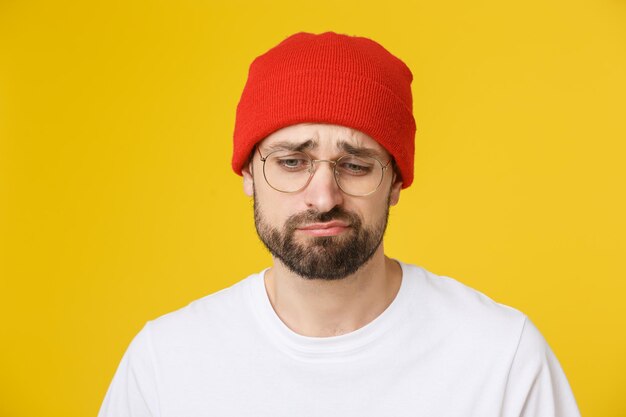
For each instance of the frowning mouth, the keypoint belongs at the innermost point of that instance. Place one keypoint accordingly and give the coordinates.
(331, 228)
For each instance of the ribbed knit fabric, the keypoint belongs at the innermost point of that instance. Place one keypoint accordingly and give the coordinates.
(328, 78)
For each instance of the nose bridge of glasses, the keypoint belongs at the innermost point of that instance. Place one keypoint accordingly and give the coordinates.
(330, 161)
(329, 176)
(314, 162)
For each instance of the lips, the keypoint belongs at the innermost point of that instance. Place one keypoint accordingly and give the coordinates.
(331, 228)
(325, 225)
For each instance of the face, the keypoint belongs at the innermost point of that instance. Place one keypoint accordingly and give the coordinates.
(319, 232)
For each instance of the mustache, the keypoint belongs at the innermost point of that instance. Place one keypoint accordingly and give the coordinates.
(314, 216)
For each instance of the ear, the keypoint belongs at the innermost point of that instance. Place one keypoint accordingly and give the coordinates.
(396, 186)
(248, 179)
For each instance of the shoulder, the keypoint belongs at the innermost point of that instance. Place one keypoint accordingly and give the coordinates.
(454, 306)
(220, 311)
(490, 341)
(447, 295)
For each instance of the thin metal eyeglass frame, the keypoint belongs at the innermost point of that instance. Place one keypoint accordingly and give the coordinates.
(313, 169)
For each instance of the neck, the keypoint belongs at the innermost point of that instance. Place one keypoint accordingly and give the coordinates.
(322, 308)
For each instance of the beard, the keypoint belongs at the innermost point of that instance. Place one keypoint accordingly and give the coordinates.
(322, 257)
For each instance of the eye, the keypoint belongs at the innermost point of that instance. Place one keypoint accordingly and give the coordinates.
(357, 166)
(291, 162)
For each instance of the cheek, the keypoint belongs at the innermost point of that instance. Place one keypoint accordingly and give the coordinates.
(376, 212)
(274, 208)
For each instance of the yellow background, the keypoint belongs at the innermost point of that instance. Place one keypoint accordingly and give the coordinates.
(117, 203)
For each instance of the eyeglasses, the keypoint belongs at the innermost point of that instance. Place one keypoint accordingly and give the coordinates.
(291, 171)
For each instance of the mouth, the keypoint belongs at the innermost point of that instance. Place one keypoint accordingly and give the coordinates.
(332, 228)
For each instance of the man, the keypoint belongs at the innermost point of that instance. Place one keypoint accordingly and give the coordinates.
(324, 141)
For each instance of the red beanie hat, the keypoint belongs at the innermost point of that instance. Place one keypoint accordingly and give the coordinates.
(328, 78)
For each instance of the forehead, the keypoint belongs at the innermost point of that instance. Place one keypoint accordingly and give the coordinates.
(323, 137)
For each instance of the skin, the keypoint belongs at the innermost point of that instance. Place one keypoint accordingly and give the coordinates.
(315, 307)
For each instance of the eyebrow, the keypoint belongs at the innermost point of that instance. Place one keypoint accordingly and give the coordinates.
(291, 146)
(358, 150)
(312, 144)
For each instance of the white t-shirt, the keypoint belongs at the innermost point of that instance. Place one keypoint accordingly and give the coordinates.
(439, 349)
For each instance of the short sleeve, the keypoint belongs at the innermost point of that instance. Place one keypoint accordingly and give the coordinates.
(133, 391)
(537, 386)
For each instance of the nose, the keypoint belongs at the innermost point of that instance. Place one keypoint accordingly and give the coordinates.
(322, 193)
